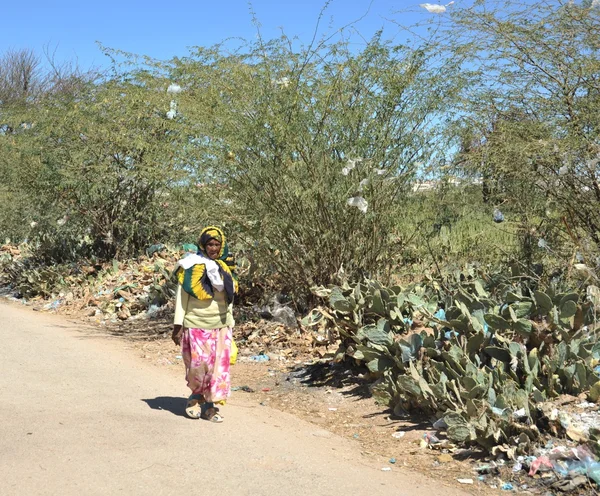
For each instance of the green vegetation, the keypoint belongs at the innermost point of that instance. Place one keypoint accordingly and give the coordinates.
(497, 348)
(312, 156)
(371, 177)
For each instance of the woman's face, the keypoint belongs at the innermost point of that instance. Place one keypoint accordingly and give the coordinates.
(213, 247)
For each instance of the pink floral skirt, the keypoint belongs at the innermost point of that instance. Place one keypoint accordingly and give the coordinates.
(206, 354)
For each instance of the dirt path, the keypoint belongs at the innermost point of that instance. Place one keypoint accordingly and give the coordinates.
(79, 414)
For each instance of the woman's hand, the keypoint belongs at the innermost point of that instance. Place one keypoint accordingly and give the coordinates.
(177, 333)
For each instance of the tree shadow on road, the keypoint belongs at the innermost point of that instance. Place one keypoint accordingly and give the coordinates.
(175, 405)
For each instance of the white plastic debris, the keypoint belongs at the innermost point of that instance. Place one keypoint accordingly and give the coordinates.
(363, 184)
(63, 221)
(563, 170)
(440, 424)
(350, 165)
(153, 311)
(358, 202)
(174, 89)
(435, 8)
(520, 413)
(284, 82)
(380, 172)
(465, 481)
(399, 434)
(172, 110)
(33, 223)
(386, 469)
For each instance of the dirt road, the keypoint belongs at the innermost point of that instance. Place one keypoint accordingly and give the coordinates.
(80, 414)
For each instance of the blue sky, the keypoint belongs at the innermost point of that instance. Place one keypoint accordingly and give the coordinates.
(163, 29)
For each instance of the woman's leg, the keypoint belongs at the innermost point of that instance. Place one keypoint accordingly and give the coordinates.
(220, 384)
(194, 352)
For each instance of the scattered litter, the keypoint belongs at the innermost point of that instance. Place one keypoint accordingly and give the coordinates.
(498, 216)
(333, 409)
(179, 357)
(246, 389)
(465, 481)
(153, 311)
(440, 314)
(543, 462)
(435, 8)
(284, 315)
(430, 438)
(155, 249)
(399, 434)
(507, 486)
(392, 460)
(520, 413)
(358, 202)
(174, 89)
(260, 358)
(486, 469)
(351, 165)
(440, 424)
(386, 469)
(566, 485)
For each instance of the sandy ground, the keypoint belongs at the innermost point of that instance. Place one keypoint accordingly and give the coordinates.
(84, 413)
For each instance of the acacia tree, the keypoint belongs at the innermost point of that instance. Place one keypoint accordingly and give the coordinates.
(313, 147)
(531, 109)
(99, 163)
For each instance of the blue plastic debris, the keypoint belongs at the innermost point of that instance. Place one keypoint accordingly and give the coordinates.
(155, 249)
(507, 486)
(498, 216)
(486, 329)
(593, 472)
(260, 358)
(499, 411)
(392, 460)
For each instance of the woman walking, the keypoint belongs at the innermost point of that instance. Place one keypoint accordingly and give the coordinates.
(203, 323)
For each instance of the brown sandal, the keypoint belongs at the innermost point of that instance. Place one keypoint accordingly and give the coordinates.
(193, 409)
(212, 415)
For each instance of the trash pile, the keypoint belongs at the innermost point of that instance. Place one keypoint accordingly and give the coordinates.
(108, 291)
(264, 341)
(567, 461)
(118, 294)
